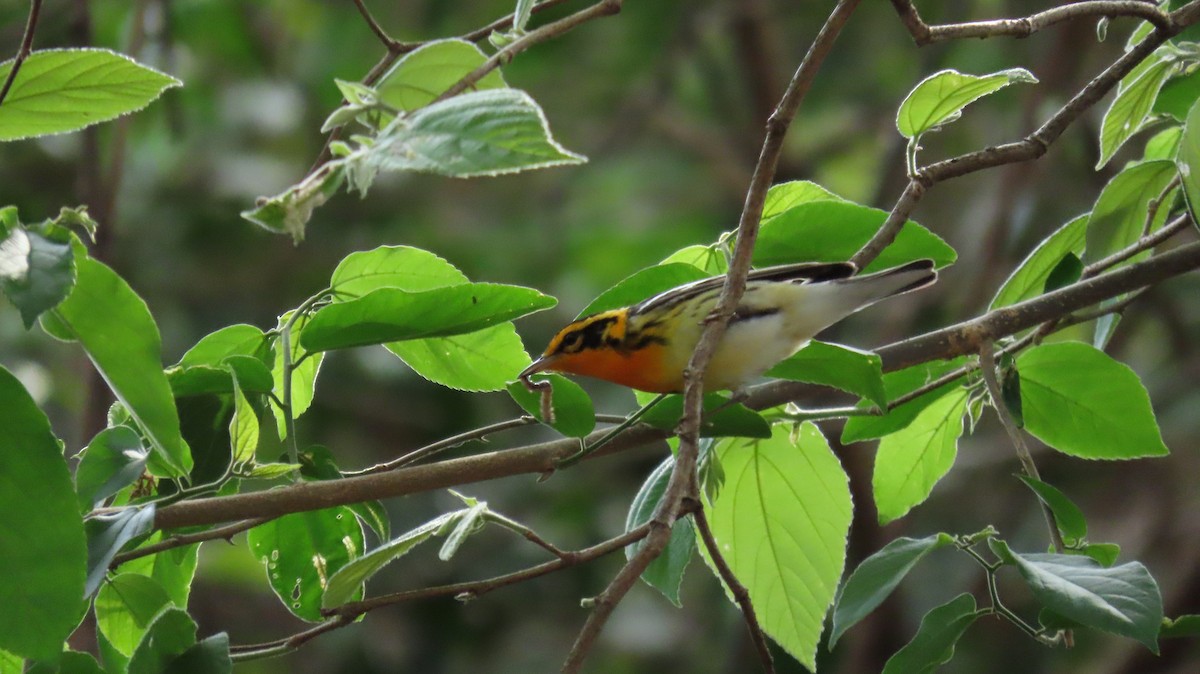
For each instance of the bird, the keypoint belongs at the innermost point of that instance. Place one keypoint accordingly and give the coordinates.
(647, 346)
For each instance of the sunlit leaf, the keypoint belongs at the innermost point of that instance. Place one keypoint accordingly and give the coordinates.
(1119, 215)
(1029, 279)
(644, 284)
(36, 272)
(126, 606)
(574, 415)
(858, 372)
(1131, 106)
(426, 72)
(912, 460)
(940, 98)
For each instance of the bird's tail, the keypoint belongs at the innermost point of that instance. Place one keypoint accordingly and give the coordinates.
(867, 289)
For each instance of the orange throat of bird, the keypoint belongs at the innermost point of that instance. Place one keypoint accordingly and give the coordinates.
(643, 369)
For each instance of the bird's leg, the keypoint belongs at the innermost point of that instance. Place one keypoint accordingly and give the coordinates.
(612, 433)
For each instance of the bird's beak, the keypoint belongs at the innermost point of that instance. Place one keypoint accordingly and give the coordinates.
(540, 365)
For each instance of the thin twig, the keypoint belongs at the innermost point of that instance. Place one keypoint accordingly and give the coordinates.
(35, 8)
(925, 34)
(1142, 245)
(180, 540)
(287, 644)
(739, 592)
(393, 46)
(987, 366)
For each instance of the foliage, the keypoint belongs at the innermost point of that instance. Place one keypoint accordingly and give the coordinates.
(187, 440)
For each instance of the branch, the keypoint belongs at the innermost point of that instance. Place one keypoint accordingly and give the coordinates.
(739, 592)
(925, 34)
(956, 340)
(179, 540)
(682, 485)
(393, 46)
(1032, 146)
(35, 8)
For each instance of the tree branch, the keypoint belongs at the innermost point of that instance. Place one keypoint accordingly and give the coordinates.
(956, 340)
(35, 8)
(925, 34)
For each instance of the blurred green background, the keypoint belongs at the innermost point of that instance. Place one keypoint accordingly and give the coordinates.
(668, 101)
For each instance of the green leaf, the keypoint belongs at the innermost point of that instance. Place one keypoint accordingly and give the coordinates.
(125, 608)
(1188, 160)
(480, 133)
(934, 642)
(243, 429)
(1164, 144)
(1183, 626)
(895, 385)
(43, 545)
(832, 231)
(574, 415)
(425, 73)
(11, 664)
(232, 340)
(1031, 276)
(171, 634)
(708, 259)
(858, 372)
(940, 98)
(644, 284)
(304, 375)
(269, 471)
(1081, 402)
(36, 272)
(788, 195)
(393, 315)
(120, 337)
(470, 521)
(1122, 599)
(1068, 515)
(303, 551)
(876, 577)
(289, 211)
(316, 463)
(107, 534)
(173, 569)
(111, 462)
(347, 583)
(70, 662)
(401, 267)
(1131, 106)
(910, 461)
(665, 573)
(1104, 553)
(1067, 271)
(1120, 212)
(1178, 96)
(781, 521)
(61, 90)
(721, 419)
(253, 376)
(208, 656)
(486, 360)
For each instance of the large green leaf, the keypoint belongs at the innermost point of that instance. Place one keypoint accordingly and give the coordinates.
(934, 642)
(393, 314)
(708, 259)
(781, 521)
(1120, 212)
(347, 583)
(125, 608)
(36, 272)
(119, 335)
(480, 133)
(859, 372)
(876, 577)
(304, 373)
(1123, 599)
(253, 376)
(644, 284)
(43, 544)
(1080, 401)
(60, 90)
(232, 340)
(1030, 277)
(665, 573)
(401, 267)
(910, 461)
(721, 417)
(302, 551)
(897, 384)
(832, 231)
(425, 73)
(478, 361)
(940, 98)
(1131, 106)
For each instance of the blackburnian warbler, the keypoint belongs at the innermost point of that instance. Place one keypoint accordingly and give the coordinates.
(647, 346)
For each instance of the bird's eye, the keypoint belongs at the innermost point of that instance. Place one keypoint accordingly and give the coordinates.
(571, 341)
